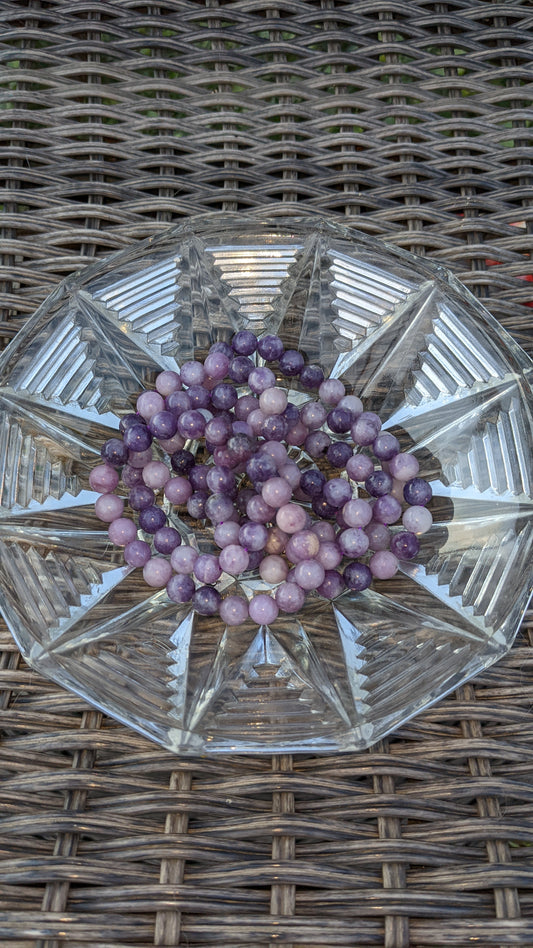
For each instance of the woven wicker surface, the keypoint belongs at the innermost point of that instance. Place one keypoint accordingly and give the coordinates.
(118, 119)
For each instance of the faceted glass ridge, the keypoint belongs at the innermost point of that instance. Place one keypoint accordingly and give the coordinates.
(404, 336)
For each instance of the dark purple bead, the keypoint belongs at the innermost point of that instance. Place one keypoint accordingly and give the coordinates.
(219, 480)
(357, 576)
(244, 342)
(224, 396)
(378, 483)
(115, 452)
(291, 414)
(151, 519)
(338, 453)
(404, 545)
(163, 424)
(291, 363)
(191, 424)
(206, 600)
(177, 402)
(240, 447)
(137, 438)
(166, 539)
(323, 509)
(240, 368)
(270, 348)
(198, 476)
(131, 476)
(260, 467)
(141, 497)
(386, 446)
(223, 457)
(180, 588)
(417, 492)
(339, 420)
(182, 461)
(128, 420)
(223, 347)
(332, 585)
(243, 497)
(196, 504)
(312, 483)
(199, 396)
(255, 558)
(274, 428)
(311, 376)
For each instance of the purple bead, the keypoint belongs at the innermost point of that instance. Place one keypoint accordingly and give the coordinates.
(331, 391)
(385, 446)
(242, 427)
(291, 413)
(198, 476)
(260, 468)
(263, 609)
(191, 424)
(274, 428)
(313, 415)
(216, 365)
(233, 610)
(365, 428)
(199, 396)
(311, 376)
(240, 368)
(137, 553)
(167, 382)
(226, 533)
(378, 483)
(114, 452)
(109, 507)
(219, 508)
(404, 545)
(234, 559)
(148, 403)
(128, 420)
(217, 430)
(207, 568)
(178, 490)
(404, 467)
(196, 504)
(339, 420)
(417, 492)
(353, 542)
(240, 448)
(359, 467)
(141, 497)
(244, 342)
(166, 539)
(339, 453)
(151, 519)
(139, 459)
(387, 509)
(253, 536)
(378, 536)
(259, 511)
(192, 373)
(223, 347)
(332, 585)
(220, 480)
(270, 348)
(317, 443)
(163, 424)
(224, 396)
(183, 558)
(180, 588)
(255, 558)
(157, 571)
(383, 565)
(337, 492)
(260, 379)
(182, 461)
(290, 597)
(322, 508)
(104, 478)
(357, 576)
(244, 405)
(291, 363)
(206, 600)
(177, 402)
(131, 476)
(312, 482)
(137, 438)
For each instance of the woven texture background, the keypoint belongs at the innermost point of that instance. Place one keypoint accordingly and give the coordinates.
(414, 118)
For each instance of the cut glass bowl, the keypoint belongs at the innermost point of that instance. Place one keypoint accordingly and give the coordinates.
(402, 334)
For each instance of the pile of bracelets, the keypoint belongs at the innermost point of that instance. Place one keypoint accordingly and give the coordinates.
(346, 512)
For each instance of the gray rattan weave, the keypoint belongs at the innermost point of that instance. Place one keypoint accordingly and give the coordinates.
(118, 118)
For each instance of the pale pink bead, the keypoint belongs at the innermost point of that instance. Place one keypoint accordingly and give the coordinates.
(157, 571)
(172, 444)
(103, 478)
(109, 507)
(273, 401)
(178, 490)
(276, 541)
(357, 513)
(276, 491)
(234, 559)
(329, 555)
(383, 565)
(417, 519)
(290, 518)
(156, 474)
(263, 609)
(255, 419)
(297, 434)
(122, 531)
(183, 558)
(309, 574)
(403, 467)
(148, 403)
(168, 382)
(273, 569)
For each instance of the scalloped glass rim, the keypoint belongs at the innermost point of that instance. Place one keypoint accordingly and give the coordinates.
(403, 334)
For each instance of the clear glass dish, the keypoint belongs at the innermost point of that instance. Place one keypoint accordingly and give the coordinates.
(402, 334)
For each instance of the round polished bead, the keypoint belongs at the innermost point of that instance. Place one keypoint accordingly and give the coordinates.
(276, 540)
(191, 424)
(324, 531)
(331, 391)
(290, 472)
(196, 504)
(138, 438)
(385, 446)
(148, 403)
(417, 519)
(357, 513)
(317, 443)
(339, 453)
(114, 452)
(123, 531)
(132, 418)
(276, 450)
(378, 536)
(365, 428)
(339, 420)
(224, 396)
(200, 396)
(219, 508)
(180, 588)
(357, 576)
(404, 467)
(311, 376)
(206, 600)
(259, 511)
(167, 382)
(417, 492)
(255, 420)
(274, 428)
(233, 610)
(378, 483)
(352, 403)
(270, 348)
(290, 597)
(273, 569)
(309, 574)
(276, 491)
(216, 365)
(383, 565)
(182, 461)
(240, 368)
(178, 490)
(302, 545)
(139, 459)
(226, 533)
(151, 519)
(207, 568)
(155, 474)
(260, 379)
(157, 572)
(240, 447)
(312, 482)
(234, 559)
(297, 434)
(140, 497)
(404, 545)
(322, 509)
(137, 553)
(221, 346)
(244, 405)
(253, 536)
(329, 555)
(337, 491)
(387, 509)
(263, 609)
(166, 539)
(273, 401)
(332, 585)
(353, 542)
(313, 415)
(198, 476)
(192, 373)
(177, 402)
(104, 478)
(220, 480)
(291, 363)
(183, 558)
(244, 342)
(170, 445)
(290, 518)
(359, 467)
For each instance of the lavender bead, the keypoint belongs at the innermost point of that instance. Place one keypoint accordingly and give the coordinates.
(226, 533)
(182, 461)
(192, 373)
(270, 348)
(216, 365)
(329, 555)
(242, 427)
(220, 480)
(219, 508)
(275, 450)
(337, 491)
(177, 402)
(387, 509)
(352, 403)
(383, 565)
(196, 504)
(255, 420)
(207, 568)
(273, 569)
(313, 415)
(290, 597)
(168, 382)
(123, 531)
(253, 536)
(199, 396)
(109, 507)
(365, 428)
(244, 342)
(263, 609)
(166, 539)
(417, 492)
(154, 475)
(404, 545)
(357, 576)
(357, 513)
(191, 424)
(151, 519)
(317, 443)
(309, 574)
(276, 491)
(233, 610)
(170, 445)
(273, 401)
(385, 446)
(180, 588)
(303, 545)
(331, 391)
(417, 519)
(244, 405)
(114, 452)
(359, 467)
(178, 490)
(339, 420)
(240, 368)
(404, 467)
(291, 473)
(224, 396)
(206, 600)
(290, 518)
(339, 453)
(378, 483)
(157, 572)
(353, 542)
(240, 448)
(183, 558)
(132, 418)
(104, 478)
(137, 553)
(139, 459)
(148, 403)
(141, 497)
(311, 376)
(234, 559)
(291, 363)
(260, 379)
(324, 531)
(378, 536)
(259, 511)
(332, 585)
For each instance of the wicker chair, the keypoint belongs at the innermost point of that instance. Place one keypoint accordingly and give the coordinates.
(120, 117)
